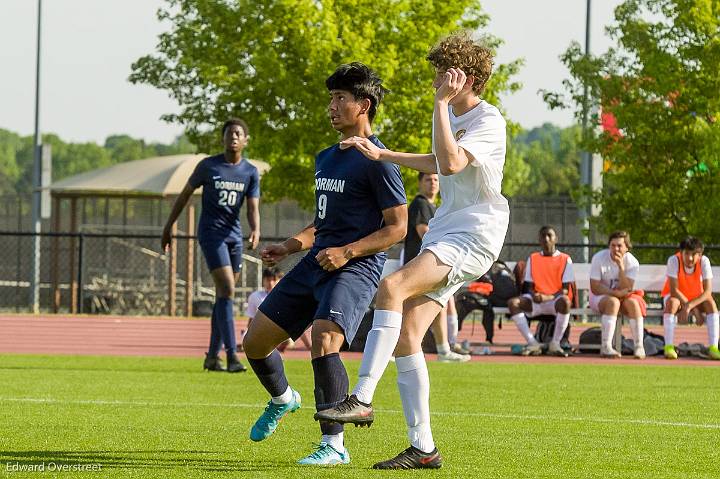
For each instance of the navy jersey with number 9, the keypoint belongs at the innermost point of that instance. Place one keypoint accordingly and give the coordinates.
(225, 186)
(350, 194)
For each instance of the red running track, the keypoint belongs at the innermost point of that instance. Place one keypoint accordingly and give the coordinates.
(153, 336)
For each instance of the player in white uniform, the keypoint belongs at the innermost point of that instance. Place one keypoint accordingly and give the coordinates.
(612, 278)
(464, 239)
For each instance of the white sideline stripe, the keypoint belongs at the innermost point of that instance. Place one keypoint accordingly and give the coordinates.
(647, 422)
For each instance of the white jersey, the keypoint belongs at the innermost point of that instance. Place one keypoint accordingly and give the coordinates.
(672, 268)
(471, 199)
(254, 301)
(605, 270)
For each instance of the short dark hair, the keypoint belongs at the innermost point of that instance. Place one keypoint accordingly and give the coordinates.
(546, 229)
(271, 273)
(692, 243)
(361, 81)
(236, 121)
(422, 174)
(621, 234)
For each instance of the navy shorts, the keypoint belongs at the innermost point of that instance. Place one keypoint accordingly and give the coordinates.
(220, 253)
(308, 292)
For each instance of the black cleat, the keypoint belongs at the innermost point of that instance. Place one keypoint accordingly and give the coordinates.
(213, 364)
(234, 364)
(412, 458)
(348, 411)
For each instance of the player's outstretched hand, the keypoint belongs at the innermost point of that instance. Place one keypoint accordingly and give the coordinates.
(254, 239)
(331, 259)
(165, 241)
(452, 84)
(273, 254)
(364, 146)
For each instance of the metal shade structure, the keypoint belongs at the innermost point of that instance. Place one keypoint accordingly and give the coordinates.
(150, 178)
(157, 177)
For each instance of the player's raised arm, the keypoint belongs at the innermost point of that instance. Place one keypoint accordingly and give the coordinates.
(395, 229)
(177, 208)
(416, 161)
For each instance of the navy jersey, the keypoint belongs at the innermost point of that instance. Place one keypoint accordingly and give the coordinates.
(350, 194)
(225, 186)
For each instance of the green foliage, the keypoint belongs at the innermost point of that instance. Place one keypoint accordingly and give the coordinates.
(9, 169)
(551, 157)
(661, 83)
(16, 156)
(266, 61)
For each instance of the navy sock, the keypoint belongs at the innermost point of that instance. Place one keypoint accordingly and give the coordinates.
(226, 322)
(215, 335)
(331, 387)
(271, 373)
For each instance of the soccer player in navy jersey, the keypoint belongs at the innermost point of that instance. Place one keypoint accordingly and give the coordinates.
(227, 180)
(360, 212)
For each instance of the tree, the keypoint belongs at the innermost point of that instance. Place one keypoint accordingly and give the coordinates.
(16, 156)
(551, 156)
(266, 61)
(9, 170)
(661, 85)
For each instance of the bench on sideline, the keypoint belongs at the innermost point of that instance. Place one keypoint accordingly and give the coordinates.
(651, 278)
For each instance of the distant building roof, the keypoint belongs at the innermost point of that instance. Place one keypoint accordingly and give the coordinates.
(151, 177)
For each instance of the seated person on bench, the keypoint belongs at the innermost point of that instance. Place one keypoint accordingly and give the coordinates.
(686, 289)
(548, 274)
(612, 278)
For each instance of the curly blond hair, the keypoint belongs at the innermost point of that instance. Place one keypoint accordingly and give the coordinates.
(459, 50)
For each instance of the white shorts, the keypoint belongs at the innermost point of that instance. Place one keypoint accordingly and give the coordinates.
(539, 309)
(595, 302)
(468, 260)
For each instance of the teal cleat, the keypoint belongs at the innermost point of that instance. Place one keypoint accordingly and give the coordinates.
(326, 455)
(271, 417)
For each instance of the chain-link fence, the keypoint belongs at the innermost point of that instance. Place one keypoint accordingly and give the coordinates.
(110, 273)
(101, 273)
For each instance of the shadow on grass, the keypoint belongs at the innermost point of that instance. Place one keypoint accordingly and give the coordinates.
(150, 459)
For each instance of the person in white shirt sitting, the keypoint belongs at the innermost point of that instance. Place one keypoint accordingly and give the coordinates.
(612, 280)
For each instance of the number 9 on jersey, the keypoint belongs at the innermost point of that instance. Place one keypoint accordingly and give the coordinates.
(322, 206)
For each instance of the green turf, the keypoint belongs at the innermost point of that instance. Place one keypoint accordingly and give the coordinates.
(160, 417)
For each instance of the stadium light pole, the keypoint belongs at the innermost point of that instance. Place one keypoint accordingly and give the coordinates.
(586, 159)
(37, 168)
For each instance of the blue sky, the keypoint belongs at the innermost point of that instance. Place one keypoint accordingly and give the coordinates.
(89, 45)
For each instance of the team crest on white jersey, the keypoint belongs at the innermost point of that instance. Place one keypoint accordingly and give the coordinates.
(459, 134)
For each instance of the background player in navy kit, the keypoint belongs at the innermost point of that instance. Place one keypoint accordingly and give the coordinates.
(227, 179)
(360, 212)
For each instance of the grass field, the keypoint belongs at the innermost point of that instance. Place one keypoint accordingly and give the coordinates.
(158, 418)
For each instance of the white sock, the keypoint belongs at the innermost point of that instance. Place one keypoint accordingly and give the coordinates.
(669, 322)
(713, 328)
(452, 323)
(608, 329)
(284, 398)
(522, 324)
(335, 440)
(414, 385)
(561, 324)
(379, 346)
(443, 348)
(636, 328)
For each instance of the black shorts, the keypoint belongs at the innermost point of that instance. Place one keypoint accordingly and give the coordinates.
(308, 292)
